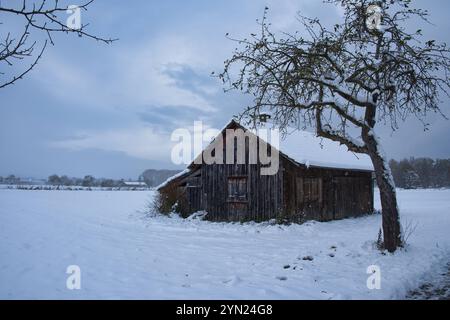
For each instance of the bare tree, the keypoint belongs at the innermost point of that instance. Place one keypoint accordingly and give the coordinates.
(42, 17)
(344, 80)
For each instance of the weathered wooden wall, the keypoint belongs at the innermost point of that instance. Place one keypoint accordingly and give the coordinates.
(345, 193)
(264, 199)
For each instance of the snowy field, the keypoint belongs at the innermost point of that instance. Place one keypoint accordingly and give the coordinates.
(123, 254)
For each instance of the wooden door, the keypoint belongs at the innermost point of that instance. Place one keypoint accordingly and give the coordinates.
(194, 194)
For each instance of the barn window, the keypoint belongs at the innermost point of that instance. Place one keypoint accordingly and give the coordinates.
(312, 189)
(237, 188)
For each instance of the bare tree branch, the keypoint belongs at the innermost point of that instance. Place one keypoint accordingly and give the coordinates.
(40, 17)
(20, 76)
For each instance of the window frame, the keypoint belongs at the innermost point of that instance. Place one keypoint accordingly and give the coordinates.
(240, 184)
(310, 189)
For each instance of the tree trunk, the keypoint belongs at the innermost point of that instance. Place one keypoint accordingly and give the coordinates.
(388, 196)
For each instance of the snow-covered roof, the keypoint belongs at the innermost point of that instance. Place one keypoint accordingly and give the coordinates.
(307, 149)
(170, 179)
(135, 183)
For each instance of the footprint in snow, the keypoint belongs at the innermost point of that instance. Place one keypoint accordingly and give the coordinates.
(308, 258)
(282, 278)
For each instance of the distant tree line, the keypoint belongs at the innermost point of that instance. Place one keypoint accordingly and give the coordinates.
(87, 181)
(416, 173)
(151, 178)
(11, 179)
(55, 180)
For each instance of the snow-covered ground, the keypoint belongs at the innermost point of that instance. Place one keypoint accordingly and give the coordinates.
(123, 254)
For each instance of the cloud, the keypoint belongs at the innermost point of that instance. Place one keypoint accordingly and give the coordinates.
(142, 143)
(146, 143)
(136, 77)
(70, 82)
(147, 78)
(283, 13)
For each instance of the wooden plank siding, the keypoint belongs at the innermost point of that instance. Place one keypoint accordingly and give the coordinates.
(345, 193)
(263, 200)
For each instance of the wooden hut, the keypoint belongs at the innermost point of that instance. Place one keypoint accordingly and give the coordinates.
(316, 180)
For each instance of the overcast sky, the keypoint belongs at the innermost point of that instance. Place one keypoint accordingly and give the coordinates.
(108, 110)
